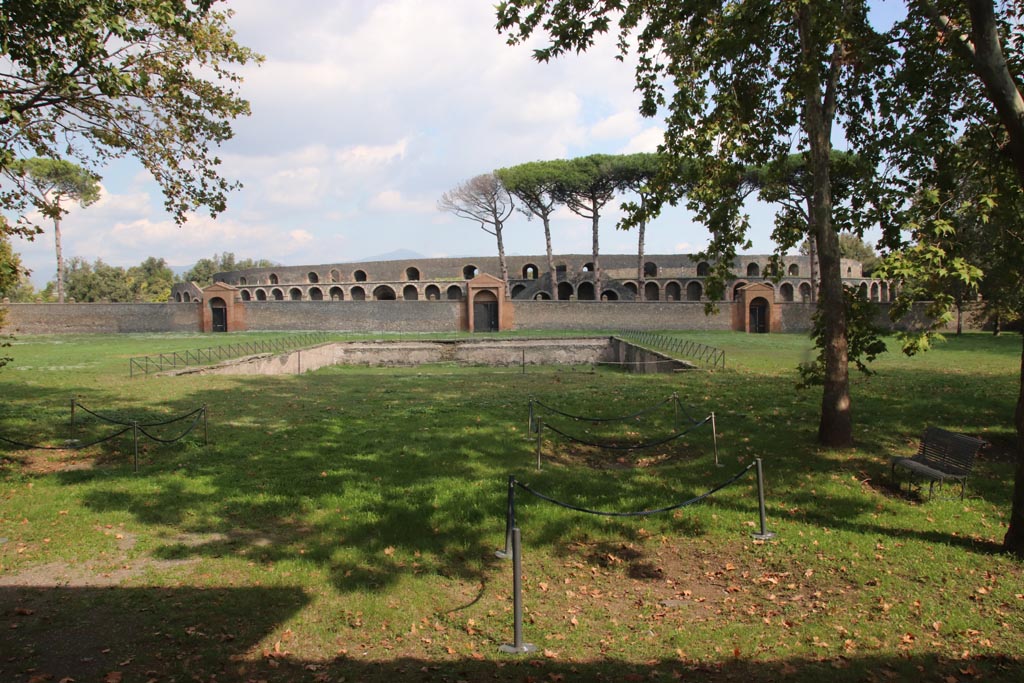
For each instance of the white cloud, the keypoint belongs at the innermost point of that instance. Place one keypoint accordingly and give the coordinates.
(393, 200)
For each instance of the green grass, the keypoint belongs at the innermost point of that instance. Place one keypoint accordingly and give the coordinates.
(341, 525)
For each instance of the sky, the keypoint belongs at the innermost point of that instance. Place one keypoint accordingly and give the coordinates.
(364, 113)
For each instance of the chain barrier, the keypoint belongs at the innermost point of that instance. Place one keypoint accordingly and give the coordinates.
(513, 542)
(629, 447)
(639, 513)
(136, 427)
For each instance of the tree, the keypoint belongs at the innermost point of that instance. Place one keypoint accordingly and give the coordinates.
(97, 282)
(592, 182)
(636, 173)
(91, 80)
(956, 81)
(484, 200)
(535, 185)
(51, 181)
(151, 280)
(738, 82)
(205, 268)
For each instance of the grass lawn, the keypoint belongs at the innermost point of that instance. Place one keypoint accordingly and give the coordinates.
(341, 525)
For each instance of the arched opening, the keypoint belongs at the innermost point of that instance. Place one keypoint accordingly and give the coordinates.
(359, 276)
(312, 277)
(542, 296)
(805, 292)
(673, 291)
(736, 289)
(530, 272)
(585, 292)
(454, 293)
(694, 291)
(863, 289)
(469, 272)
(384, 293)
(432, 293)
(357, 294)
(650, 269)
(609, 295)
(246, 296)
(753, 270)
(316, 294)
(874, 291)
(219, 313)
(242, 281)
(786, 292)
(485, 312)
(412, 274)
(565, 291)
(849, 271)
(588, 267)
(410, 293)
(631, 287)
(177, 297)
(794, 270)
(703, 269)
(651, 291)
(187, 297)
(277, 294)
(759, 322)
(517, 290)
(335, 275)
(261, 295)
(295, 294)
(884, 292)
(337, 294)
(273, 279)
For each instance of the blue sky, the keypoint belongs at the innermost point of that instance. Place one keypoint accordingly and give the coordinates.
(363, 114)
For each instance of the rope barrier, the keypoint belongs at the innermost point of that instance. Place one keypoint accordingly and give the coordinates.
(622, 418)
(641, 513)
(629, 447)
(128, 423)
(19, 444)
(188, 430)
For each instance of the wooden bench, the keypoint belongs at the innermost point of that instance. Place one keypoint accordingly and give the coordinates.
(942, 456)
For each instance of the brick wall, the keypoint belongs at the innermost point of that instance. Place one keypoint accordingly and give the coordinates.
(100, 318)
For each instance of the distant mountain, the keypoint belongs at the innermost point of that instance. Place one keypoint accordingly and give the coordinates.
(396, 255)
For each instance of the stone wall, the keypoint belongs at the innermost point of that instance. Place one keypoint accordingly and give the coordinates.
(100, 318)
(356, 316)
(619, 315)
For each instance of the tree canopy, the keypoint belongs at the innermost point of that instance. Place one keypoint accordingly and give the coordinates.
(91, 80)
(484, 200)
(205, 268)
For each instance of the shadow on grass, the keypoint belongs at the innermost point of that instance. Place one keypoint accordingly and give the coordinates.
(232, 634)
(83, 634)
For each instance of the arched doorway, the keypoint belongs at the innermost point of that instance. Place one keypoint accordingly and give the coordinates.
(219, 314)
(759, 315)
(485, 312)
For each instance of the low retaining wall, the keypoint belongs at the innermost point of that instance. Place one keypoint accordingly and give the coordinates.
(501, 353)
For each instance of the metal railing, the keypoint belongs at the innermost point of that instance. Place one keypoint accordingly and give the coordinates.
(709, 356)
(143, 365)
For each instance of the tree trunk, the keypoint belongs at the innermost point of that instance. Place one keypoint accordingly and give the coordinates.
(501, 255)
(595, 217)
(640, 261)
(60, 257)
(813, 250)
(551, 258)
(836, 426)
(1014, 539)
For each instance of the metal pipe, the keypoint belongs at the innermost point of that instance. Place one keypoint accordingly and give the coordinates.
(764, 534)
(517, 646)
(510, 519)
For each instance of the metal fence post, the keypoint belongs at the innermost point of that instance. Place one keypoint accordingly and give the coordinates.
(72, 412)
(714, 437)
(206, 426)
(510, 520)
(517, 646)
(764, 534)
